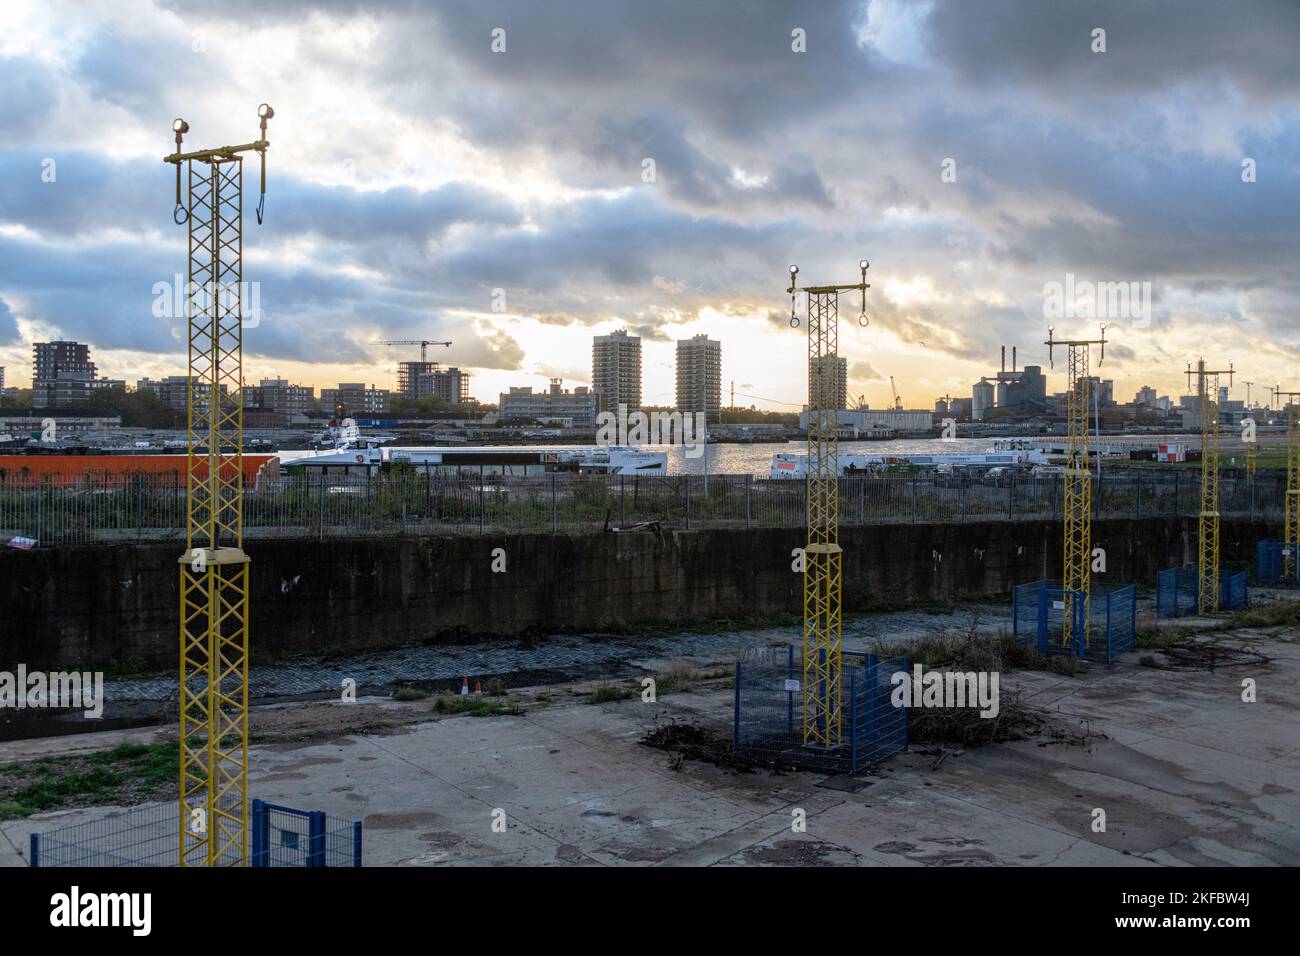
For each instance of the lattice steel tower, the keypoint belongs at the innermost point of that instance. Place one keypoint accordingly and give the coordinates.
(214, 570)
(1076, 574)
(1207, 561)
(1292, 527)
(821, 685)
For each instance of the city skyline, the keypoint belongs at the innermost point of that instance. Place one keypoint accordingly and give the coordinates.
(967, 230)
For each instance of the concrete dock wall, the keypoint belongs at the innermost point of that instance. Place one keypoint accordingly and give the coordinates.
(118, 605)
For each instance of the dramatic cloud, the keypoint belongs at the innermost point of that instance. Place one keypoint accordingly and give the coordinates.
(657, 167)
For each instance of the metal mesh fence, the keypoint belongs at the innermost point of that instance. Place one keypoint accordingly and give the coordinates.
(769, 712)
(149, 836)
(1038, 611)
(1270, 564)
(398, 502)
(1178, 591)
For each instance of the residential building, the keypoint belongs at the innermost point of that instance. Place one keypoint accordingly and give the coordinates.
(578, 407)
(62, 374)
(699, 376)
(354, 400)
(174, 390)
(616, 371)
(830, 375)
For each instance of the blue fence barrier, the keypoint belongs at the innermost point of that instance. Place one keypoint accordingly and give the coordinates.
(1178, 591)
(768, 722)
(1039, 609)
(1270, 562)
(148, 836)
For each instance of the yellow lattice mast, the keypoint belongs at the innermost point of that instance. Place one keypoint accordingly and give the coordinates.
(1292, 504)
(821, 686)
(1077, 506)
(214, 569)
(1207, 566)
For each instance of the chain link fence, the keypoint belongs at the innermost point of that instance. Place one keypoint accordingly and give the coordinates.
(152, 507)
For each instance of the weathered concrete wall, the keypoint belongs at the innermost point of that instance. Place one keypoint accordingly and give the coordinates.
(77, 606)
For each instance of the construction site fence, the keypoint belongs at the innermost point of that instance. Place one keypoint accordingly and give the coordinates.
(769, 713)
(1270, 562)
(149, 835)
(1102, 627)
(141, 507)
(1178, 591)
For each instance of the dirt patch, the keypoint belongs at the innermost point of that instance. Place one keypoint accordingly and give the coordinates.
(691, 741)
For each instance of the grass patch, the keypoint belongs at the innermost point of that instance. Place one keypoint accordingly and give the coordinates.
(453, 704)
(128, 773)
(409, 693)
(608, 693)
(1277, 614)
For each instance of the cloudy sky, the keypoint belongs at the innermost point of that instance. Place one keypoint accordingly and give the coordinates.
(974, 151)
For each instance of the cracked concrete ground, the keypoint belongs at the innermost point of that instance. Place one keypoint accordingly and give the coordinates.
(1186, 773)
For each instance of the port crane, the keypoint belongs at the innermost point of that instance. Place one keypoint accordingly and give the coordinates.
(898, 402)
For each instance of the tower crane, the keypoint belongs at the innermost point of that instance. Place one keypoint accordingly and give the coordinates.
(898, 402)
(422, 343)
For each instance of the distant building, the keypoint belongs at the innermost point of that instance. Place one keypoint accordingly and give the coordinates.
(353, 399)
(174, 390)
(1146, 395)
(982, 397)
(2, 378)
(699, 376)
(278, 396)
(616, 371)
(830, 373)
(63, 375)
(960, 409)
(431, 380)
(579, 406)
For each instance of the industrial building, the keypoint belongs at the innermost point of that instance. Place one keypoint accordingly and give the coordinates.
(576, 408)
(699, 376)
(616, 370)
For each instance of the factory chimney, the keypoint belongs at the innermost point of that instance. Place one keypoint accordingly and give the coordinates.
(1013, 360)
(1004, 358)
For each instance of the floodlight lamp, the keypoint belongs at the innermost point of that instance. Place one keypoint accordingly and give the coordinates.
(265, 111)
(863, 265)
(794, 270)
(180, 126)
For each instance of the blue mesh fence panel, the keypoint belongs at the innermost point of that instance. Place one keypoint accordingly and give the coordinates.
(1121, 620)
(1233, 590)
(769, 712)
(1270, 562)
(1039, 609)
(1178, 591)
(149, 836)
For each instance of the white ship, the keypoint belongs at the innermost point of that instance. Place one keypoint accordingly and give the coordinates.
(487, 459)
(796, 466)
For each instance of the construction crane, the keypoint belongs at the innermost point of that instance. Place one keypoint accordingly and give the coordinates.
(821, 685)
(422, 343)
(1207, 568)
(214, 570)
(898, 402)
(1077, 508)
(1292, 527)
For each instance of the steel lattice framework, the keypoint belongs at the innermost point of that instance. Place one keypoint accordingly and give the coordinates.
(1292, 526)
(1076, 573)
(1207, 562)
(821, 684)
(214, 571)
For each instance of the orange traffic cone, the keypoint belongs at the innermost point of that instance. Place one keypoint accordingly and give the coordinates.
(478, 687)
(464, 688)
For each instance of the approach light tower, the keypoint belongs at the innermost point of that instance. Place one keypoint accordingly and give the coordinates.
(1077, 509)
(214, 571)
(1207, 566)
(1292, 527)
(821, 686)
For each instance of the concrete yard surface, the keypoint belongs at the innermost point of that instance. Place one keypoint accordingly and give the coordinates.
(1186, 772)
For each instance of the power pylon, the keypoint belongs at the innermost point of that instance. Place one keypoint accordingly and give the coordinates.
(1076, 578)
(1207, 568)
(1292, 528)
(214, 571)
(821, 685)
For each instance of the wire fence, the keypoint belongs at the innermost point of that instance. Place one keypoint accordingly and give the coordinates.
(1104, 626)
(152, 507)
(149, 835)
